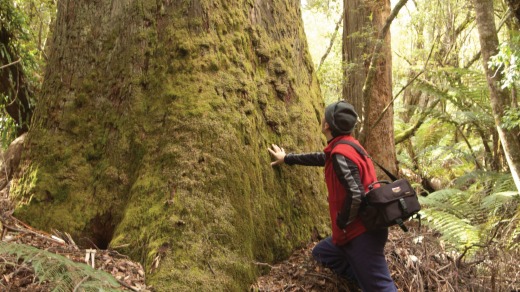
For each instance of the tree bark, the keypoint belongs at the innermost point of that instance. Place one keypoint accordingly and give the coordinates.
(152, 131)
(500, 98)
(357, 35)
(363, 22)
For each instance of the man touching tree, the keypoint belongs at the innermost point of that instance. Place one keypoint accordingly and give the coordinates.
(352, 252)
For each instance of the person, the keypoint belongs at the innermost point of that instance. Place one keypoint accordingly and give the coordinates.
(352, 251)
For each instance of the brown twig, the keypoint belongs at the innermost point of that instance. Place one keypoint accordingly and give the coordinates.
(80, 282)
(264, 264)
(126, 285)
(10, 64)
(332, 39)
(320, 276)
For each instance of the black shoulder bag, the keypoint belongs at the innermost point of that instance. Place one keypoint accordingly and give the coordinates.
(389, 204)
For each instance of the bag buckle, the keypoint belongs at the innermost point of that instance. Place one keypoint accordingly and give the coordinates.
(401, 224)
(402, 202)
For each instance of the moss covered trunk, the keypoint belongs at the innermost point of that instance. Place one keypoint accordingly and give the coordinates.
(152, 131)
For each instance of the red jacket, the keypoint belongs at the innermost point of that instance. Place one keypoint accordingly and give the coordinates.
(348, 176)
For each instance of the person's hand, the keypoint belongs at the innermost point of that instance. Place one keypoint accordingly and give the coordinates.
(277, 153)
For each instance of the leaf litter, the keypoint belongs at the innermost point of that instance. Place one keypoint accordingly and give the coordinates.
(418, 260)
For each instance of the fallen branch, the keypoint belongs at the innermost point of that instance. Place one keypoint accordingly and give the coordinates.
(127, 286)
(14, 229)
(264, 264)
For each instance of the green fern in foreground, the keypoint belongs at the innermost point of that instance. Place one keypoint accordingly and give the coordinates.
(62, 273)
(473, 217)
(447, 212)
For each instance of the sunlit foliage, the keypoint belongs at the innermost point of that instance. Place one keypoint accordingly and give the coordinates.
(320, 19)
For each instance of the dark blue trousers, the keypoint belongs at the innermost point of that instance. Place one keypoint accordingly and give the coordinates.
(361, 260)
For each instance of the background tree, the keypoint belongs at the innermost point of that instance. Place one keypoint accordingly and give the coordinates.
(363, 22)
(500, 97)
(151, 132)
(24, 28)
(439, 89)
(15, 90)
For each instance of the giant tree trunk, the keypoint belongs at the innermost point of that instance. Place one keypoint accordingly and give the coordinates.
(152, 132)
(500, 98)
(363, 21)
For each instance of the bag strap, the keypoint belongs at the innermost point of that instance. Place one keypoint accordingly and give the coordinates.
(364, 154)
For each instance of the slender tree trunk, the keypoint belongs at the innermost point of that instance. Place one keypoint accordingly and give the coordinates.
(363, 22)
(500, 98)
(358, 34)
(152, 132)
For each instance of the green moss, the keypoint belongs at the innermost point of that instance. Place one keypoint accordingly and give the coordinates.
(80, 100)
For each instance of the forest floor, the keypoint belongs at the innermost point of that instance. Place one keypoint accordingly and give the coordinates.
(418, 261)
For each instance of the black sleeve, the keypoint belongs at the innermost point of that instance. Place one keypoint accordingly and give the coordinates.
(348, 174)
(307, 159)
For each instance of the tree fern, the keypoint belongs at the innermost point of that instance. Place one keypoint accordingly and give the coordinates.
(62, 273)
(464, 90)
(431, 133)
(454, 213)
(504, 217)
(514, 237)
(457, 231)
(496, 201)
(477, 214)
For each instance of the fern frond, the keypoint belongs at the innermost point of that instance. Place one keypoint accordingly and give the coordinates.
(514, 238)
(504, 182)
(431, 132)
(464, 117)
(62, 273)
(495, 201)
(437, 198)
(453, 229)
(467, 100)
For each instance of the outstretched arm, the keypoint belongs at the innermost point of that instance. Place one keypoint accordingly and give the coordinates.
(307, 159)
